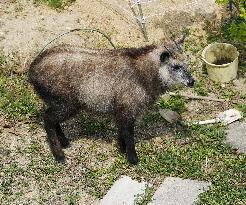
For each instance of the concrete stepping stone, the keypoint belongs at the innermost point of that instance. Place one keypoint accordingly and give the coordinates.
(177, 191)
(124, 192)
(236, 136)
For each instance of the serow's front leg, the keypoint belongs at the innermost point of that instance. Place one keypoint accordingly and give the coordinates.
(62, 139)
(126, 139)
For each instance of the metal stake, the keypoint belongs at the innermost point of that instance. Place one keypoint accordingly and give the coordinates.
(142, 21)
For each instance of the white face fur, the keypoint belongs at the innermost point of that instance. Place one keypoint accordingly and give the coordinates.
(172, 71)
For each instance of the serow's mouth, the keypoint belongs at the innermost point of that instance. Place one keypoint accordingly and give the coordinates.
(191, 82)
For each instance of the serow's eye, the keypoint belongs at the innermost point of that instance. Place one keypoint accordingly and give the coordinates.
(164, 56)
(176, 67)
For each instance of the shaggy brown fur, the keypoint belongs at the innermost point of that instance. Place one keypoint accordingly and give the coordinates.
(122, 81)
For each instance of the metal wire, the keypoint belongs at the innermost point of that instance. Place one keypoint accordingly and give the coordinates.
(77, 29)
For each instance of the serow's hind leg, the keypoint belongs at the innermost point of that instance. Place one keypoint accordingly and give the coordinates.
(56, 139)
(50, 122)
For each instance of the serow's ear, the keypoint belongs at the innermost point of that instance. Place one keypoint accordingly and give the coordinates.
(164, 56)
(181, 39)
(180, 42)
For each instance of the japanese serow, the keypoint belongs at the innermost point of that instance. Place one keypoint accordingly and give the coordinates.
(123, 82)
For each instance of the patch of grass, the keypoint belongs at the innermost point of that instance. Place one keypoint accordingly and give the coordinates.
(3, 60)
(95, 125)
(9, 181)
(204, 157)
(175, 103)
(33, 149)
(18, 101)
(200, 88)
(151, 118)
(200, 154)
(97, 186)
(242, 108)
(145, 198)
(235, 29)
(55, 4)
(204, 70)
(72, 198)
(228, 94)
(44, 168)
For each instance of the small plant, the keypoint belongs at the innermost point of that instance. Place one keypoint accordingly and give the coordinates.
(242, 108)
(151, 117)
(17, 100)
(55, 4)
(239, 4)
(235, 28)
(200, 88)
(72, 198)
(228, 94)
(175, 103)
(145, 198)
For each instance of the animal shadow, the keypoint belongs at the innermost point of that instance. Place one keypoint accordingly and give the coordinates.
(97, 126)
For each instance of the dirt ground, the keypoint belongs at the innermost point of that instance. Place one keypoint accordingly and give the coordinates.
(24, 30)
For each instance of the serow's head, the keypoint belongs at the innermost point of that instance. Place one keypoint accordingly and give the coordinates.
(174, 70)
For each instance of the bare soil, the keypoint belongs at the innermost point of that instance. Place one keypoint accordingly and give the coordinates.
(25, 28)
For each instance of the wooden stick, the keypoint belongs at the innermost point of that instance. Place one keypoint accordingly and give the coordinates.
(197, 97)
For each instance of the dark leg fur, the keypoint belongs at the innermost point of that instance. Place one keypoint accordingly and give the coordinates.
(121, 143)
(61, 137)
(53, 116)
(126, 138)
(50, 121)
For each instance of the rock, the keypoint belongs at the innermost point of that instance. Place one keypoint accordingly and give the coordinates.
(240, 85)
(124, 192)
(177, 191)
(236, 136)
(169, 115)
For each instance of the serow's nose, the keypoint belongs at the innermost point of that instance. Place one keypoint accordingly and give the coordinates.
(191, 82)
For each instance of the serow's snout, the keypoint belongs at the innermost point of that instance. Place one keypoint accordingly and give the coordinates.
(191, 82)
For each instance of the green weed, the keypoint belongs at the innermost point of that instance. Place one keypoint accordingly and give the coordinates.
(200, 88)
(145, 198)
(175, 103)
(228, 94)
(242, 108)
(72, 199)
(55, 4)
(18, 101)
(151, 118)
(236, 29)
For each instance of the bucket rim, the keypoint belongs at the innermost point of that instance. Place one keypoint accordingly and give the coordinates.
(215, 65)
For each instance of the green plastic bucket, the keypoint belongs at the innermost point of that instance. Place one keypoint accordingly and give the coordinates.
(221, 61)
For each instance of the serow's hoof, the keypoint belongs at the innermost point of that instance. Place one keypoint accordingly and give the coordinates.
(133, 159)
(65, 143)
(122, 148)
(60, 159)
